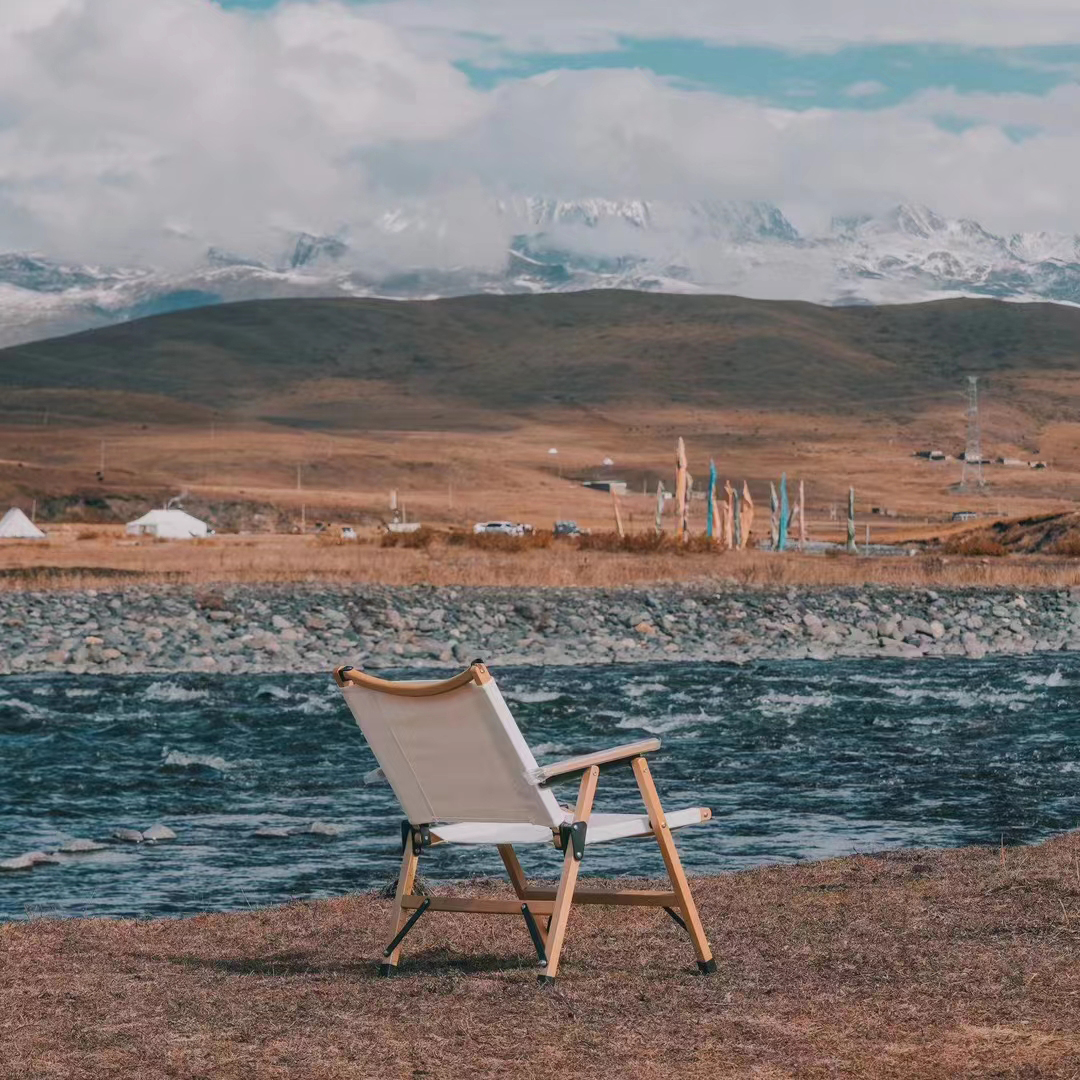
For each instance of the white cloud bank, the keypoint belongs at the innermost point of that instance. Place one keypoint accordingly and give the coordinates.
(135, 131)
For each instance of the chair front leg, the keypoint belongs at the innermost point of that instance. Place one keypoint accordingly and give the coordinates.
(680, 886)
(406, 878)
(564, 896)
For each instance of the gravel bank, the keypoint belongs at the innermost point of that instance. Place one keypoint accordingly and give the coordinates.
(294, 628)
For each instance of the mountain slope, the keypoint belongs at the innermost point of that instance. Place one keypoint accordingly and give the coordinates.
(529, 245)
(370, 362)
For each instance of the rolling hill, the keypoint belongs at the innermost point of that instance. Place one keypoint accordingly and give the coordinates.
(343, 363)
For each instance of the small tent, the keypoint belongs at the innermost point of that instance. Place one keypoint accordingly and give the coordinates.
(15, 525)
(167, 525)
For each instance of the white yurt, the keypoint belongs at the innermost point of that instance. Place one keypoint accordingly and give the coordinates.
(167, 525)
(15, 525)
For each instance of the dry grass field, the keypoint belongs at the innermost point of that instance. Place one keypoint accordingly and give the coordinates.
(246, 478)
(105, 558)
(929, 964)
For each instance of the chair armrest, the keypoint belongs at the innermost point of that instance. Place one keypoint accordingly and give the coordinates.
(616, 754)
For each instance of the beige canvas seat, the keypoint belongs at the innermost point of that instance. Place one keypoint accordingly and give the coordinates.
(454, 757)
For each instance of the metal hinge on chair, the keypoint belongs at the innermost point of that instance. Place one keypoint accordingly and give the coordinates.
(420, 835)
(573, 836)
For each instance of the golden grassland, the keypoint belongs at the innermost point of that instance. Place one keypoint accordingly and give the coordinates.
(929, 964)
(452, 478)
(105, 558)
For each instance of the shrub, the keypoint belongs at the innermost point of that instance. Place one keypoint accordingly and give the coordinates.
(421, 538)
(975, 544)
(1068, 546)
(647, 543)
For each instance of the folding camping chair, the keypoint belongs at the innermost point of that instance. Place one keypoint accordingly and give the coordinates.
(463, 774)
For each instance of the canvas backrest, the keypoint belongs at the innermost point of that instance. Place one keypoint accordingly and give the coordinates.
(456, 755)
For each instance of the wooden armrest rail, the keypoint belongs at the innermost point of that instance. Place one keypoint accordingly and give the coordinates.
(477, 673)
(616, 754)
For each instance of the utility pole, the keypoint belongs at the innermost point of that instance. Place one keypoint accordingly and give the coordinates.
(972, 475)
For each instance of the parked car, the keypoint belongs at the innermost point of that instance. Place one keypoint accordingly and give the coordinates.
(568, 528)
(504, 528)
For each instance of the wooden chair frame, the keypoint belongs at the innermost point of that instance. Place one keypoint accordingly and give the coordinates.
(556, 903)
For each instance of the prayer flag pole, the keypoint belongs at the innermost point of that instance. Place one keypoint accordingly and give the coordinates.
(748, 515)
(802, 515)
(680, 490)
(782, 530)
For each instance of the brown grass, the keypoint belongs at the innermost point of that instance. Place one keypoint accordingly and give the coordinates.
(1068, 548)
(975, 545)
(490, 560)
(929, 964)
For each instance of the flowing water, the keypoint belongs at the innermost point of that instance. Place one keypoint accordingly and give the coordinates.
(797, 760)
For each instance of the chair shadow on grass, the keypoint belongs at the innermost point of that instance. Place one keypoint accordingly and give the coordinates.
(433, 961)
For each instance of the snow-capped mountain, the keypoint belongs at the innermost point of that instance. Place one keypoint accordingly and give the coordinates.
(524, 244)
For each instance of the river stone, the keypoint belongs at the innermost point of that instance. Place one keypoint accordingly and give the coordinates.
(272, 832)
(77, 846)
(28, 861)
(315, 828)
(158, 832)
(129, 836)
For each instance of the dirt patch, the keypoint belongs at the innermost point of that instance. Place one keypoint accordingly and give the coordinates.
(915, 964)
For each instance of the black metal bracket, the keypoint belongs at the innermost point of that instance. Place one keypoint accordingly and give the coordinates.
(573, 836)
(420, 835)
(407, 927)
(677, 917)
(534, 933)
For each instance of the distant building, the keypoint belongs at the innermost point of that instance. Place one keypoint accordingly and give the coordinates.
(964, 515)
(15, 525)
(930, 455)
(1012, 462)
(167, 525)
(617, 486)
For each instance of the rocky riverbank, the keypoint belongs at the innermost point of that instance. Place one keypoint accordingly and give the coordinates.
(296, 628)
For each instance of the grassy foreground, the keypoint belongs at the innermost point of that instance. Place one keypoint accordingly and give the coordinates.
(905, 964)
(103, 559)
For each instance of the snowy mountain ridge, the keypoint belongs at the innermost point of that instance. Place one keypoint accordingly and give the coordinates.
(533, 244)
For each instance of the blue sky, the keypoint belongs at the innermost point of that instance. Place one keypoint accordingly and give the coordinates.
(858, 76)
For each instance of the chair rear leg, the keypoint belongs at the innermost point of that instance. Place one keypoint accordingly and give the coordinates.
(564, 895)
(680, 886)
(397, 916)
(520, 883)
(513, 869)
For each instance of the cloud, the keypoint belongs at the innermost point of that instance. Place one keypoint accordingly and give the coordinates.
(866, 88)
(135, 132)
(126, 127)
